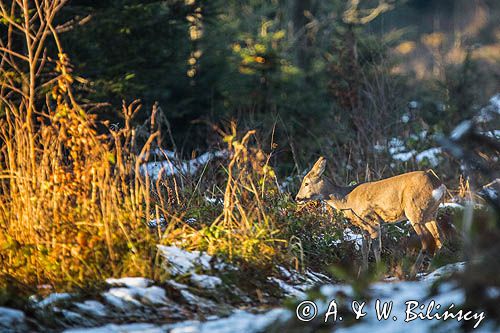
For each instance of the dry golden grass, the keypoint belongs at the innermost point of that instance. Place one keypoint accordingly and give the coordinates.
(244, 230)
(73, 205)
(71, 200)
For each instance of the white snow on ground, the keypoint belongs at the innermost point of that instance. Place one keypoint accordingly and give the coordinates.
(132, 282)
(71, 315)
(288, 289)
(495, 134)
(403, 157)
(398, 292)
(403, 291)
(461, 129)
(396, 145)
(486, 114)
(49, 300)
(399, 152)
(240, 321)
(125, 297)
(378, 147)
(432, 155)
(444, 271)
(414, 104)
(451, 205)
(491, 189)
(154, 223)
(420, 136)
(205, 281)
(127, 328)
(493, 292)
(94, 308)
(495, 102)
(173, 166)
(490, 192)
(10, 318)
(214, 200)
(316, 277)
(121, 298)
(159, 152)
(351, 236)
(284, 272)
(181, 261)
(128, 293)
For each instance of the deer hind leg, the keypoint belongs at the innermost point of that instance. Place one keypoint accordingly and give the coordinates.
(434, 230)
(428, 246)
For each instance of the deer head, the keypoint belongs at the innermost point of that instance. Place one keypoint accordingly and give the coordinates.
(314, 186)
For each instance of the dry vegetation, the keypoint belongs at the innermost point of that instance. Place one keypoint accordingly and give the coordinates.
(74, 205)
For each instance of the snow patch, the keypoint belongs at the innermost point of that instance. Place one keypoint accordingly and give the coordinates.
(494, 134)
(161, 222)
(453, 205)
(287, 288)
(432, 155)
(445, 271)
(132, 282)
(403, 157)
(351, 236)
(174, 166)
(413, 104)
(214, 200)
(94, 308)
(121, 298)
(239, 321)
(490, 192)
(405, 118)
(396, 146)
(461, 129)
(487, 113)
(181, 261)
(378, 147)
(11, 318)
(51, 299)
(205, 281)
(127, 328)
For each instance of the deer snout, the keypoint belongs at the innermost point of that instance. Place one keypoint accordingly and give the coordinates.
(301, 200)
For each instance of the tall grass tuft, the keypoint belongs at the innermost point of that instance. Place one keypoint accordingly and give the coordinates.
(245, 230)
(71, 200)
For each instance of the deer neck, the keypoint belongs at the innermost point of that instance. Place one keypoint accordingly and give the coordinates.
(336, 196)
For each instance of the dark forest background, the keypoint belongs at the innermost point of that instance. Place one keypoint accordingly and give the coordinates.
(316, 77)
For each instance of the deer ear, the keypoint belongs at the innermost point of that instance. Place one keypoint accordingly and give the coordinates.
(319, 167)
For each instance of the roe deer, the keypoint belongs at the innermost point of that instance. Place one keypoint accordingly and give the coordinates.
(413, 196)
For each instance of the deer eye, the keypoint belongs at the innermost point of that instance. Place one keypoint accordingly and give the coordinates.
(306, 184)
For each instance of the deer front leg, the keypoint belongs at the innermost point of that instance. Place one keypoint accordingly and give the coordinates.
(376, 238)
(365, 250)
